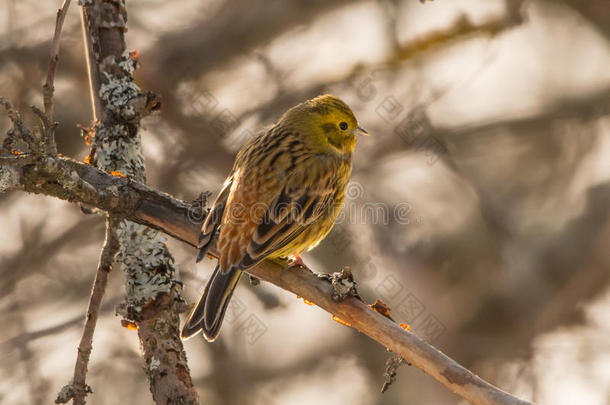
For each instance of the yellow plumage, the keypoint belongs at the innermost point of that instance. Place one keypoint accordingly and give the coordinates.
(282, 198)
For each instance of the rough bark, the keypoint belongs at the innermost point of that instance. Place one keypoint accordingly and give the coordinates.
(153, 299)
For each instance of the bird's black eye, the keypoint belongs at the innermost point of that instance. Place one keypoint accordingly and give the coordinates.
(343, 125)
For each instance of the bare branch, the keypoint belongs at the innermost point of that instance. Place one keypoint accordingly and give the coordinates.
(74, 181)
(20, 131)
(47, 131)
(49, 87)
(391, 367)
(146, 206)
(303, 282)
(109, 251)
(78, 389)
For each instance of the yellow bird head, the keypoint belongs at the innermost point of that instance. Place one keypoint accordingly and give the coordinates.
(326, 123)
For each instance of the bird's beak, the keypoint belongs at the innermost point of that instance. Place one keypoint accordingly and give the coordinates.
(361, 131)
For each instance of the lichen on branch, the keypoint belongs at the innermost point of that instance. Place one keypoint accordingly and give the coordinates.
(152, 300)
(116, 147)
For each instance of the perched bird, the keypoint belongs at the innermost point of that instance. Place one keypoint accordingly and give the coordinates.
(282, 198)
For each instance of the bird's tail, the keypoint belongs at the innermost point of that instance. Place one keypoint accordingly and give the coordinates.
(208, 313)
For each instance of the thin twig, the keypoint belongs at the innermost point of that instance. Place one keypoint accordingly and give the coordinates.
(391, 368)
(20, 131)
(49, 86)
(47, 131)
(79, 387)
(48, 89)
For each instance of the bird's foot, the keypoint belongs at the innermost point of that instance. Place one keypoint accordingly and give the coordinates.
(296, 261)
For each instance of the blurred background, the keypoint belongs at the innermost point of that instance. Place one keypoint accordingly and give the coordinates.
(478, 208)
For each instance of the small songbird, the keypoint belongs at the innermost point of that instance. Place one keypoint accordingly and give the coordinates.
(283, 196)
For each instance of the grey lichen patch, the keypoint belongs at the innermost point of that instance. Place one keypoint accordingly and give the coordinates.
(343, 284)
(154, 364)
(149, 266)
(143, 254)
(116, 151)
(68, 180)
(127, 63)
(116, 148)
(119, 92)
(66, 394)
(8, 178)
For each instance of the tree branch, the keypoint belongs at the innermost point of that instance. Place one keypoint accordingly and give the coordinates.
(109, 251)
(79, 389)
(153, 301)
(144, 205)
(49, 86)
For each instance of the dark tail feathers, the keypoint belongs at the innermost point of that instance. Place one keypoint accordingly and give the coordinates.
(204, 245)
(208, 313)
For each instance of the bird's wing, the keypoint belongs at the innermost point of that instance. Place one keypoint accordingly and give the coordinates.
(266, 212)
(213, 220)
(286, 218)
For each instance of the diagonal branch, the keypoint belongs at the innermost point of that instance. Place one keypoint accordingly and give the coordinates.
(79, 389)
(109, 251)
(49, 86)
(144, 205)
(48, 89)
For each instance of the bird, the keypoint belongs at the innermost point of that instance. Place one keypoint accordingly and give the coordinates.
(282, 197)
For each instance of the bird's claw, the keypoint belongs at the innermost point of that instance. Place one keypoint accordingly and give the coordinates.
(296, 261)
